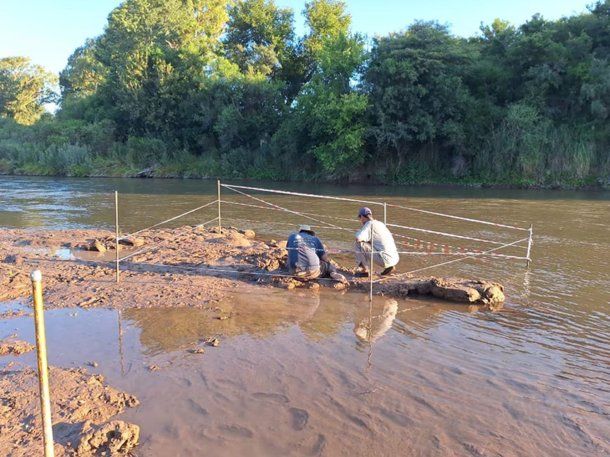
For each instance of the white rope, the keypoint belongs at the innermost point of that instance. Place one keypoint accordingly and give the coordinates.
(457, 217)
(288, 224)
(298, 194)
(282, 208)
(434, 213)
(275, 209)
(450, 261)
(451, 235)
(167, 220)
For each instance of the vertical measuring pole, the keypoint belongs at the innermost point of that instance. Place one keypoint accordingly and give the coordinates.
(116, 229)
(43, 368)
(371, 267)
(529, 246)
(385, 213)
(218, 197)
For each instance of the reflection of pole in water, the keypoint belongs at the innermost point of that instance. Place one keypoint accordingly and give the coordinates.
(121, 357)
(369, 360)
(526, 284)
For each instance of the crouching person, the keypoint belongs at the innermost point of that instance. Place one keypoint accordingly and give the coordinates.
(383, 246)
(307, 258)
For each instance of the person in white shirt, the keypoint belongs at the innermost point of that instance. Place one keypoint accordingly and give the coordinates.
(385, 252)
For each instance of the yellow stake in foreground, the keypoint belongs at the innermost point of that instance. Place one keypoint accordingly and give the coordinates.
(43, 369)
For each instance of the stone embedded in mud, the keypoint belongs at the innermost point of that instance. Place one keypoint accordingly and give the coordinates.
(112, 438)
(98, 246)
(15, 347)
(250, 234)
(132, 241)
(14, 259)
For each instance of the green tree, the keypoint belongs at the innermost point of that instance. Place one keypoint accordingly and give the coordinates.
(24, 89)
(418, 96)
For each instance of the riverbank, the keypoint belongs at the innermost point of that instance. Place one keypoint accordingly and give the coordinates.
(186, 267)
(202, 169)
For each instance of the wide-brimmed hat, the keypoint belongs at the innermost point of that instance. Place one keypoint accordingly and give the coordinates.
(305, 228)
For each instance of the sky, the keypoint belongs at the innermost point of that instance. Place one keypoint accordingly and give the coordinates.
(48, 31)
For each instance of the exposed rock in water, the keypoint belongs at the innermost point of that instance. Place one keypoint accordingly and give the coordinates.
(248, 233)
(453, 289)
(15, 347)
(132, 241)
(98, 246)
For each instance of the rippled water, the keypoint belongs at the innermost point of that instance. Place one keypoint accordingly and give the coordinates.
(301, 374)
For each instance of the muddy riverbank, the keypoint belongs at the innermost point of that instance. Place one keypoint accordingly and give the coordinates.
(189, 266)
(82, 407)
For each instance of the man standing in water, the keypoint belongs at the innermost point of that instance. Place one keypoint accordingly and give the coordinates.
(385, 252)
(307, 258)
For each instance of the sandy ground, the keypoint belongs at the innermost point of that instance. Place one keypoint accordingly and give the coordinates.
(181, 267)
(82, 406)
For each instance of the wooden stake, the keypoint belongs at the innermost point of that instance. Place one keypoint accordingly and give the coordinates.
(371, 268)
(43, 369)
(218, 197)
(116, 227)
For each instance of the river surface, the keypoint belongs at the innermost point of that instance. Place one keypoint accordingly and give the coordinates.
(305, 373)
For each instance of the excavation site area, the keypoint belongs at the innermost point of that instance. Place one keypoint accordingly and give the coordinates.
(181, 330)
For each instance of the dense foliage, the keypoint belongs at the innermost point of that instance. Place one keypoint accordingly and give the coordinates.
(217, 87)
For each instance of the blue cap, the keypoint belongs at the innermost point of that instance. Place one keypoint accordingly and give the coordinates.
(364, 212)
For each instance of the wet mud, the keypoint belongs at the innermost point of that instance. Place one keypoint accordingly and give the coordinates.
(183, 267)
(82, 406)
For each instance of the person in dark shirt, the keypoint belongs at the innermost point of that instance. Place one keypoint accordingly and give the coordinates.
(307, 258)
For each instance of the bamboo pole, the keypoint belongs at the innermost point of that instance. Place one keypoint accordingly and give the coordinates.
(43, 369)
(529, 246)
(371, 267)
(116, 229)
(218, 198)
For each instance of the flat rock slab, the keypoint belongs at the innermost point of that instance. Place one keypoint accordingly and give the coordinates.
(469, 291)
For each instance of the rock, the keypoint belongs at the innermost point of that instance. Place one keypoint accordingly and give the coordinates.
(132, 241)
(112, 438)
(98, 246)
(146, 173)
(15, 347)
(314, 286)
(197, 351)
(213, 342)
(14, 259)
(153, 367)
(250, 234)
(92, 364)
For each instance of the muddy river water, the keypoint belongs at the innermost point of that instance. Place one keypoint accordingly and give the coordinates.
(325, 373)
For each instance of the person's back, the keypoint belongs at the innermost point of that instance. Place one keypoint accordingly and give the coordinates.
(383, 247)
(304, 252)
(383, 242)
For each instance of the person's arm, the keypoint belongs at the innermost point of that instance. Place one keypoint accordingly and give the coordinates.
(364, 234)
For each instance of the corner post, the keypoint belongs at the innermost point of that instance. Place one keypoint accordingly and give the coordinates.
(218, 198)
(116, 230)
(529, 246)
(43, 368)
